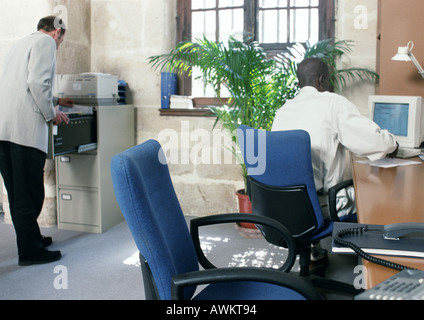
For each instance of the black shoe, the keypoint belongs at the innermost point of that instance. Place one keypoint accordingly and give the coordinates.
(46, 241)
(41, 257)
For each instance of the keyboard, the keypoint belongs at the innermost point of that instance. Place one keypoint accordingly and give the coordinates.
(408, 152)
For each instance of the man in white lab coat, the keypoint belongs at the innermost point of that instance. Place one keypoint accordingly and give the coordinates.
(334, 125)
(27, 106)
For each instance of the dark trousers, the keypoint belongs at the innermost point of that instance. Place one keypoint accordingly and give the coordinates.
(22, 169)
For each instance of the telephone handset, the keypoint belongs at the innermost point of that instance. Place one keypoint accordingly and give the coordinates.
(398, 230)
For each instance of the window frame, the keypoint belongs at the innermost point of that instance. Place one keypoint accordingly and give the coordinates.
(184, 26)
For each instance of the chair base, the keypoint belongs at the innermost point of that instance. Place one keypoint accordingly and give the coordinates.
(318, 279)
(332, 285)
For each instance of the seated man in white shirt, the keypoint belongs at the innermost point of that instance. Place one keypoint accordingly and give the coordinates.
(334, 125)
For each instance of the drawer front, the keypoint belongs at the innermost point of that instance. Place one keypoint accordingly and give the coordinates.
(78, 170)
(79, 207)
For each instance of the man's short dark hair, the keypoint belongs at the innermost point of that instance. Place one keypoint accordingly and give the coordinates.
(309, 70)
(51, 23)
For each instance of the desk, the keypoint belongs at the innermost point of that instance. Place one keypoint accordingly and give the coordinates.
(386, 196)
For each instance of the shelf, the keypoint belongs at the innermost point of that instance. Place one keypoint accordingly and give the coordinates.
(195, 112)
(200, 108)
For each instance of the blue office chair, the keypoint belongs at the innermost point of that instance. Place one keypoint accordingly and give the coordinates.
(281, 186)
(169, 254)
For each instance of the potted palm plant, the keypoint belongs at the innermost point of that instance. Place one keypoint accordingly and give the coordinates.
(257, 84)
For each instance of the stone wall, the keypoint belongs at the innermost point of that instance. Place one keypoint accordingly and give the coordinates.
(74, 56)
(357, 21)
(117, 37)
(125, 34)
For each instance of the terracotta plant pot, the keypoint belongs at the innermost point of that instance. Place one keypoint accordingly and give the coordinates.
(245, 206)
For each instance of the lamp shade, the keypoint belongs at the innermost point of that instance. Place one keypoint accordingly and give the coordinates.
(402, 55)
(405, 54)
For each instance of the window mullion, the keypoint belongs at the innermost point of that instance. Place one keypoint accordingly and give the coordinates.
(217, 20)
(309, 20)
(250, 19)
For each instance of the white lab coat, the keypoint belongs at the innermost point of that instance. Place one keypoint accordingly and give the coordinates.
(334, 125)
(26, 83)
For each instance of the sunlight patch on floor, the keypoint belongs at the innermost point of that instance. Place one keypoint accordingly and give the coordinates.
(133, 260)
(263, 255)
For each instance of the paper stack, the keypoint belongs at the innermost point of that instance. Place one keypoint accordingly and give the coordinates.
(181, 102)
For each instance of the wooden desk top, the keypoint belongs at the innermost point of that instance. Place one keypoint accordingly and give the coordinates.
(385, 196)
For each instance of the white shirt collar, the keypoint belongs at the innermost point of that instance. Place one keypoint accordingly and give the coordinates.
(309, 89)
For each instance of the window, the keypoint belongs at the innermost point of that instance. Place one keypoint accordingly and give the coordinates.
(286, 22)
(275, 24)
(217, 19)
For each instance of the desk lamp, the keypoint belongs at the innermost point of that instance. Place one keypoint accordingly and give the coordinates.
(405, 54)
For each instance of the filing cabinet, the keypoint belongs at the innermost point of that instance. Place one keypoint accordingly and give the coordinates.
(80, 208)
(85, 197)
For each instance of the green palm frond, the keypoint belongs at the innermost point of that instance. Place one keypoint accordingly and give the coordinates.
(341, 76)
(258, 85)
(331, 52)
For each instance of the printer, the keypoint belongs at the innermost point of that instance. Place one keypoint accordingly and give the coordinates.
(89, 89)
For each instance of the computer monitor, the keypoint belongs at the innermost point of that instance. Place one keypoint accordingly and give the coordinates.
(400, 115)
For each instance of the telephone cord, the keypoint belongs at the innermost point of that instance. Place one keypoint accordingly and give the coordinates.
(361, 253)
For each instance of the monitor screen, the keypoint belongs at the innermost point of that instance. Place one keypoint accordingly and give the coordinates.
(392, 117)
(401, 116)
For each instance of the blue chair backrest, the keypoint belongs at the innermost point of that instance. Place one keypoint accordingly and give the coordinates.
(280, 159)
(147, 199)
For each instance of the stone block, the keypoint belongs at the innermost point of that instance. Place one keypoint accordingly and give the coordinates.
(206, 199)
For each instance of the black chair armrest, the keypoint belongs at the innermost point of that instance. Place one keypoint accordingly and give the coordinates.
(272, 276)
(242, 217)
(332, 198)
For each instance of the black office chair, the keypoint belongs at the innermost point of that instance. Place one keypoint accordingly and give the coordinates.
(281, 186)
(170, 256)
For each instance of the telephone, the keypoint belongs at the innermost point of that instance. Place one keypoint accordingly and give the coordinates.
(406, 285)
(398, 230)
